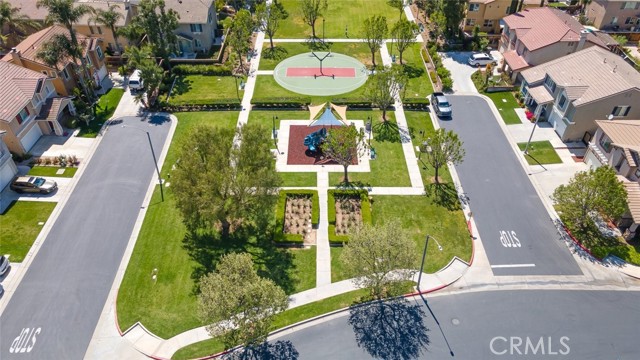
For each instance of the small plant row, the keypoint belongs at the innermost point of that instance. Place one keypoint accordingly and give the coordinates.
(60, 160)
(365, 209)
(213, 105)
(441, 71)
(415, 103)
(282, 237)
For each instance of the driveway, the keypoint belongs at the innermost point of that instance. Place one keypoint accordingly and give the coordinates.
(461, 71)
(515, 227)
(54, 311)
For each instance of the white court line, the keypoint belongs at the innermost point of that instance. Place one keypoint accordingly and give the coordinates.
(513, 266)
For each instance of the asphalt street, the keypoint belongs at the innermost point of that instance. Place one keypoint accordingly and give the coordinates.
(525, 324)
(516, 230)
(55, 309)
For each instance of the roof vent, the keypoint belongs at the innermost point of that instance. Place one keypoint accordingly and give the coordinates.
(615, 67)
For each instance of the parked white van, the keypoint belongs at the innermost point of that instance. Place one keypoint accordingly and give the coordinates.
(481, 59)
(135, 82)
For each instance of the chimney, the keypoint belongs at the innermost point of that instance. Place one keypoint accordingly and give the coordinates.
(15, 56)
(583, 39)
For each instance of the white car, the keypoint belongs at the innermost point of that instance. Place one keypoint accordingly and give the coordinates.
(135, 82)
(481, 59)
(4, 264)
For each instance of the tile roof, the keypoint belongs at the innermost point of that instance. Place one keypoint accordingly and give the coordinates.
(52, 108)
(623, 133)
(30, 46)
(28, 7)
(540, 27)
(17, 90)
(588, 75)
(540, 94)
(515, 61)
(104, 6)
(191, 11)
(633, 197)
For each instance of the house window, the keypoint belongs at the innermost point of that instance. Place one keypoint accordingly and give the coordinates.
(508, 8)
(550, 84)
(622, 110)
(22, 116)
(471, 22)
(210, 18)
(628, 21)
(570, 43)
(88, 58)
(562, 102)
(605, 143)
(65, 73)
(614, 20)
(488, 23)
(637, 173)
(198, 43)
(196, 28)
(629, 5)
(99, 52)
(474, 7)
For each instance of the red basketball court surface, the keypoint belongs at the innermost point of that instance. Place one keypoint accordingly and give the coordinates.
(327, 71)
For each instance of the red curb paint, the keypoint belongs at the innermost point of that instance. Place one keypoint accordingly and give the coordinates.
(314, 71)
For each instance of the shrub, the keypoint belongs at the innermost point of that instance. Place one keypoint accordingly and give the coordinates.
(416, 103)
(281, 103)
(218, 70)
(433, 76)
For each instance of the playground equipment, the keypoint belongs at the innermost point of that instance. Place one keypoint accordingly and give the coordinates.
(313, 140)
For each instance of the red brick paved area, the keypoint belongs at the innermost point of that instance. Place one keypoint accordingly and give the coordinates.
(297, 153)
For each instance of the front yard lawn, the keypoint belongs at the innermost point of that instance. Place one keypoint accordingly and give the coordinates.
(542, 151)
(169, 306)
(390, 167)
(69, 172)
(339, 15)
(104, 110)
(419, 85)
(20, 226)
(601, 245)
(506, 105)
(201, 89)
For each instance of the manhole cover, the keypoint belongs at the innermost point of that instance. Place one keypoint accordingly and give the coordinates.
(455, 321)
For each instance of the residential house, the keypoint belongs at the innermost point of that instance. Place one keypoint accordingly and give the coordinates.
(29, 107)
(87, 26)
(535, 36)
(616, 15)
(8, 168)
(573, 91)
(488, 13)
(197, 25)
(63, 74)
(616, 143)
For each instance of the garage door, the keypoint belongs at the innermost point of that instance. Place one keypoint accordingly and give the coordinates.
(7, 172)
(558, 125)
(31, 137)
(102, 72)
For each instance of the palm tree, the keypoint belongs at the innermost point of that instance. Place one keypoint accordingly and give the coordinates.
(109, 18)
(17, 25)
(65, 13)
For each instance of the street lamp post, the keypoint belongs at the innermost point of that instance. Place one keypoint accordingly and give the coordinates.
(424, 257)
(155, 162)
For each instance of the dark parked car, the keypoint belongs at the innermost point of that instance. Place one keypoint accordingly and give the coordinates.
(441, 104)
(33, 184)
(4, 264)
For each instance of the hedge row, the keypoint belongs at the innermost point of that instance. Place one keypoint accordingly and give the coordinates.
(443, 73)
(211, 106)
(415, 103)
(365, 209)
(280, 236)
(218, 70)
(281, 103)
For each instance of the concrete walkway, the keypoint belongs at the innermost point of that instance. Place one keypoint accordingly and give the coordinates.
(323, 254)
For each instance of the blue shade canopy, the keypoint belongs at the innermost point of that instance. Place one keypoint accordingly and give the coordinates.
(327, 119)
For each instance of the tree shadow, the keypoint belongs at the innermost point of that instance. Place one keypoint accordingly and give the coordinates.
(386, 131)
(316, 44)
(392, 329)
(273, 262)
(413, 72)
(182, 85)
(443, 194)
(353, 185)
(277, 53)
(279, 350)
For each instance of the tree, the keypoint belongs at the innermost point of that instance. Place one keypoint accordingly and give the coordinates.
(454, 13)
(591, 191)
(133, 32)
(386, 86)
(237, 302)
(55, 51)
(620, 39)
(374, 33)
(17, 25)
(404, 35)
(269, 16)
(218, 185)
(444, 147)
(65, 13)
(311, 11)
(380, 257)
(151, 75)
(439, 22)
(241, 28)
(397, 4)
(344, 144)
(159, 24)
(109, 18)
(583, 6)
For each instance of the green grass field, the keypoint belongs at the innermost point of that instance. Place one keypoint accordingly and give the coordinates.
(282, 51)
(542, 151)
(506, 103)
(340, 14)
(419, 85)
(20, 228)
(421, 121)
(69, 172)
(169, 306)
(201, 89)
(104, 110)
(307, 179)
